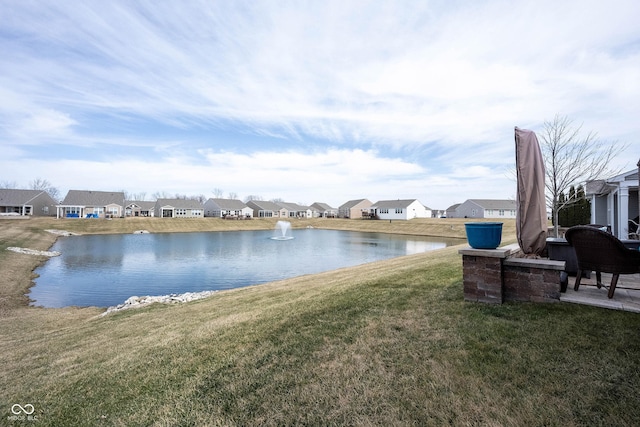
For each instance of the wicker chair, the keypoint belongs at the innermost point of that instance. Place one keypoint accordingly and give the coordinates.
(603, 252)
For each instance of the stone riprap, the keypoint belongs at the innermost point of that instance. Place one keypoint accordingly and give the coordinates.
(137, 302)
(33, 251)
(62, 232)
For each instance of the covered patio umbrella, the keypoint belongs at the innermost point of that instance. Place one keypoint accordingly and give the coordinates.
(531, 216)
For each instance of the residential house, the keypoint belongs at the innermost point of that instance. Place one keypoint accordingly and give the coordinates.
(141, 208)
(399, 209)
(26, 202)
(615, 202)
(294, 210)
(354, 209)
(452, 211)
(223, 208)
(91, 204)
(178, 208)
(486, 208)
(323, 210)
(265, 209)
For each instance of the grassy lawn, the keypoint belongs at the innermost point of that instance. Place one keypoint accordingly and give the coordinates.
(386, 343)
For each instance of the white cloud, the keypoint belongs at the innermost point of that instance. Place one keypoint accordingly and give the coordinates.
(316, 81)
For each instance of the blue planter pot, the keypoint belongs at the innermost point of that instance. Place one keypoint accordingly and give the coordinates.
(484, 235)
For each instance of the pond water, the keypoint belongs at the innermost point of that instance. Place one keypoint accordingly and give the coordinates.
(105, 270)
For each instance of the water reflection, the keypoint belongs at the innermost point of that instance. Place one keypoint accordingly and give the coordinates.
(106, 270)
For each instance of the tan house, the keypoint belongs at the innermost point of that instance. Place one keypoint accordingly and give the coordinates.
(178, 208)
(265, 209)
(26, 203)
(323, 210)
(227, 208)
(91, 204)
(354, 209)
(139, 208)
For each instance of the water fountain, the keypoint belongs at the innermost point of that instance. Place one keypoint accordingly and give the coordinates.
(282, 231)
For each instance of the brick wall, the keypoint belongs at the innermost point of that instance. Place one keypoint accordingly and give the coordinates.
(495, 275)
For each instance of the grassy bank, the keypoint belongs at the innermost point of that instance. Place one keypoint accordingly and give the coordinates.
(387, 343)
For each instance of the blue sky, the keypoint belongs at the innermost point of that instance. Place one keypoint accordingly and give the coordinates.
(306, 100)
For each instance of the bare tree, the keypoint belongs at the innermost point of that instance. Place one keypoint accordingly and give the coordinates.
(44, 185)
(251, 197)
(217, 193)
(137, 196)
(572, 159)
(233, 195)
(161, 195)
(8, 184)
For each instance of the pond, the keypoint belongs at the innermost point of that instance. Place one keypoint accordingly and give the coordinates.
(105, 270)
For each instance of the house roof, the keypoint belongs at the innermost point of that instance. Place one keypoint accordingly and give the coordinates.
(352, 203)
(143, 204)
(292, 207)
(453, 207)
(264, 205)
(391, 204)
(605, 186)
(322, 206)
(179, 203)
(93, 198)
(228, 204)
(494, 204)
(13, 197)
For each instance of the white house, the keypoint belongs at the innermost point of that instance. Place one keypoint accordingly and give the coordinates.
(484, 208)
(614, 202)
(399, 209)
(221, 208)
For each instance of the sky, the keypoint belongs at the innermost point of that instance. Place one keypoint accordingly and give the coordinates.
(306, 101)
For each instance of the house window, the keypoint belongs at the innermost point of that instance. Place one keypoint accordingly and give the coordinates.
(398, 211)
(384, 211)
(474, 212)
(113, 210)
(501, 212)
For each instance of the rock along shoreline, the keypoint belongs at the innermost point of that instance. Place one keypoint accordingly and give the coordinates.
(138, 302)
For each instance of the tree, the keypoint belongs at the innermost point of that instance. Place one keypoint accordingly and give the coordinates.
(576, 213)
(44, 185)
(217, 193)
(572, 159)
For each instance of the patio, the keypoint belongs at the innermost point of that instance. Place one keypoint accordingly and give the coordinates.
(626, 298)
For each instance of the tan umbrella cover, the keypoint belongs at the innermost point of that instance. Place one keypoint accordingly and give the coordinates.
(531, 216)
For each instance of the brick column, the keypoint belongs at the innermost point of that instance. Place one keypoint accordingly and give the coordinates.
(482, 273)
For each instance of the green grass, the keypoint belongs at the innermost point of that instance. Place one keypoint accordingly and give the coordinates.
(388, 343)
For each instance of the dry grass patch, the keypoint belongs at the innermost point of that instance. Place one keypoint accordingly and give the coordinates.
(387, 343)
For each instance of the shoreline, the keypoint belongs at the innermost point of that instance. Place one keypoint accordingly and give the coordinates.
(46, 231)
(139, 302)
